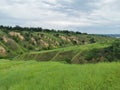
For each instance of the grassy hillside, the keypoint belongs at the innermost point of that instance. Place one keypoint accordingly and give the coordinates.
(17, 40)
(51, 45)
(32, 75)
(97, 52)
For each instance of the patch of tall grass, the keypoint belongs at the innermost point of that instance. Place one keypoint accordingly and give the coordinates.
(32, 75)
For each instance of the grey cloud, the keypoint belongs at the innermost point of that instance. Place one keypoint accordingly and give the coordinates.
(84, 15)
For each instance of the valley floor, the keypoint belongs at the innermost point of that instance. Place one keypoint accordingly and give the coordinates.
(32, 75)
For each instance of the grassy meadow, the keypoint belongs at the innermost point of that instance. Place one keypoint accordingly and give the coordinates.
(32, 75)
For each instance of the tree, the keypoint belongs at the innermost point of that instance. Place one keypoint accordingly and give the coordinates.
(116, 49)
(83, 41)
(92, 40)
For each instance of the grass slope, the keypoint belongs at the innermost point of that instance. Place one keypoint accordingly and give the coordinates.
(18, 41)
(32, 75)
(68, 54)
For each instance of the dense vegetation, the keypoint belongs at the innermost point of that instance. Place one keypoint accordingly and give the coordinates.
(91, 53)
(36, 29)
(31, 75)
(68, 54)
(19, 40)
(55, 45)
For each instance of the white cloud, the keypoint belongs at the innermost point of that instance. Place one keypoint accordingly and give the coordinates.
(109, 10)
(62, 13)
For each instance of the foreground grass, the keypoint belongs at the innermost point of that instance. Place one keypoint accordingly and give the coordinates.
(32, 75)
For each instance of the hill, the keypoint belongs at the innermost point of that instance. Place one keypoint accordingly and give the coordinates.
(21, 46)
(19, 40)
(90, 53)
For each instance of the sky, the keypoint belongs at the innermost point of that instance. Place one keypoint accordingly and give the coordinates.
(91, 16)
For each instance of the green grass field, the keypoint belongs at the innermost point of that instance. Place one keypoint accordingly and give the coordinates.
(32, 75)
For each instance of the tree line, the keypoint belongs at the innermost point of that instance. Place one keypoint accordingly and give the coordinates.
(37, 29)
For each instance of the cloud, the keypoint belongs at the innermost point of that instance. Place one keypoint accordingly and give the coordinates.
(63, 14)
